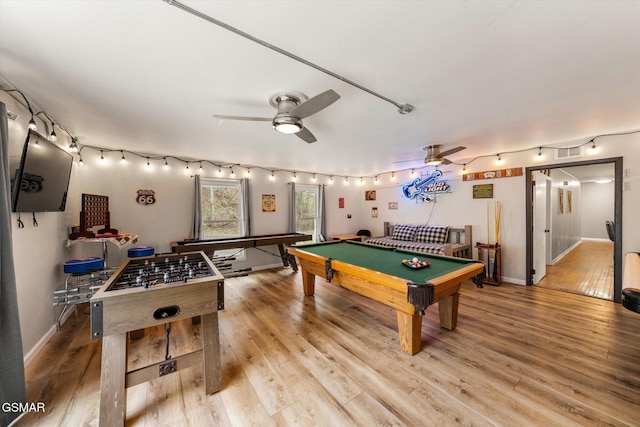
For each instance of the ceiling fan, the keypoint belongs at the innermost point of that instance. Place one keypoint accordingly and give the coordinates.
(436, 157)
(292, 107)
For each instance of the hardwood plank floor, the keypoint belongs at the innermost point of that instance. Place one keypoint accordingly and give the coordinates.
(520, 356)
(586, 270)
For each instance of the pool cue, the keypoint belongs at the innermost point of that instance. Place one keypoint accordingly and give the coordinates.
(497, 225)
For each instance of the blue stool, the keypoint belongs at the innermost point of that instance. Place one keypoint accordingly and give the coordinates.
(140, 251)
(78, 267)
(89, 275)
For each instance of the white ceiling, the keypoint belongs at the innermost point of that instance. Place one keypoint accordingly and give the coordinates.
(493, 76)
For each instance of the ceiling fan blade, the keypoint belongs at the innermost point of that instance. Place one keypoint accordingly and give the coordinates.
(315, 104)
(306, 135)
(407, 161)
(253, 119)
(453, 150)
(446, 162)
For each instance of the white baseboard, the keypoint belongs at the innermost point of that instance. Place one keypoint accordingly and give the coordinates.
(593, 239)
(45, 339)
(559, 257)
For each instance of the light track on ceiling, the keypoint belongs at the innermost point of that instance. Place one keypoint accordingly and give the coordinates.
(402, 108)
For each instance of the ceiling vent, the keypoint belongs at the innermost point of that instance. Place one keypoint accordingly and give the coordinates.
(569, 153)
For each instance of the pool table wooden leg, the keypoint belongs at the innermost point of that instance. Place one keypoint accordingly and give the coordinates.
(409, 330)
(308, 283)
(448, 308)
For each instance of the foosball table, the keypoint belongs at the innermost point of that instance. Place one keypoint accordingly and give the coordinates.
(152, 291)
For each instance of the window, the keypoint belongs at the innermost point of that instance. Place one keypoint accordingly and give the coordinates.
(307, 210)
(222, 208)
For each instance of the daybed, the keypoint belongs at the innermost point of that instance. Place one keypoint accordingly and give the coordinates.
(431, 239)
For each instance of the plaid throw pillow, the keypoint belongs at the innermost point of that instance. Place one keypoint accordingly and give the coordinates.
(404, 232)
(432, 234)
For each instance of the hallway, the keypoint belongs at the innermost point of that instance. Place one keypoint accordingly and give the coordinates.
(586, 270)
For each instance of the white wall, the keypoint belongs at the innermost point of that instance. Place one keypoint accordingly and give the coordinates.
(565, 220)
(40, 252)
(597, 208)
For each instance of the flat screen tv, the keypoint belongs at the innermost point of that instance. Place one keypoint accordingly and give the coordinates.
(42, 180)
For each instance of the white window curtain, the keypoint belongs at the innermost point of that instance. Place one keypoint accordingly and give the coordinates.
(196, 226)
(246, 205)
(292, 208)
(12, 385)
(322, 211)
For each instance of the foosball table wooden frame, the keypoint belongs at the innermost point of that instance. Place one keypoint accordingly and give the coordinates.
(114, 313)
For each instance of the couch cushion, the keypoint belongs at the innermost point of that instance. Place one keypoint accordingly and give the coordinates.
(404, 232)
(432, 234)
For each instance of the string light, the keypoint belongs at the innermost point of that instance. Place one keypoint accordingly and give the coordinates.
(74, 147)
(200, 168)
(294, 177)
(123, 159)
(272, 177)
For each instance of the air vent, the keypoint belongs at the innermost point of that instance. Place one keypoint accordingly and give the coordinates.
(569, 153)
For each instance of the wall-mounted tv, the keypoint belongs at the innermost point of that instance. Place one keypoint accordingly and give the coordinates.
(42, 180)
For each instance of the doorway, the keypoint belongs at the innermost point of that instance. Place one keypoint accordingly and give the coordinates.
(617, 218)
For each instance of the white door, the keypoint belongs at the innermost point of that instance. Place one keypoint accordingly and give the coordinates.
(540, 225)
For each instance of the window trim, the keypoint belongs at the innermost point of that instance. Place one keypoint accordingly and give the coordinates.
(229, 183)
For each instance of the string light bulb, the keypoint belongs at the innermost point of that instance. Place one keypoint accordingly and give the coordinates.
(32, 124)
(123, 159)
(80, 162)
(499, 158)
(73, 147)
(313, 178)
(149, 164)
(593, 144)
(200, 168)
(53, 137)
(539, 152)
(101, 155)
(272, 177)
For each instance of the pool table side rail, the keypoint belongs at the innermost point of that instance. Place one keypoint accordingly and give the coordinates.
(391, 290)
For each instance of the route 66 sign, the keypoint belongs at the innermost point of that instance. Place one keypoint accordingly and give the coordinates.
(146, 197)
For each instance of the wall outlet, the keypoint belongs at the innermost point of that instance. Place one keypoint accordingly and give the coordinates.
(626, 173)
(626, 186)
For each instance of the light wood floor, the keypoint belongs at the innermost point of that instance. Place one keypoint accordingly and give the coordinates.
(520, 356)
(586, 270)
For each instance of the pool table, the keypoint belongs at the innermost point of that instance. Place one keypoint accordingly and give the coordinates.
(378, 273)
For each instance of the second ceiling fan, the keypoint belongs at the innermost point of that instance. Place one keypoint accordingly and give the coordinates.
(292, 108)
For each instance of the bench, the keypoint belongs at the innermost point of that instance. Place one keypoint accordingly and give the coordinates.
(438, 240)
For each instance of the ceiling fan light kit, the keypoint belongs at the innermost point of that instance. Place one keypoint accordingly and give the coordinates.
(287, 124)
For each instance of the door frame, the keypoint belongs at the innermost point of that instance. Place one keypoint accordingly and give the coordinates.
(547, 219)
(617, 217)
